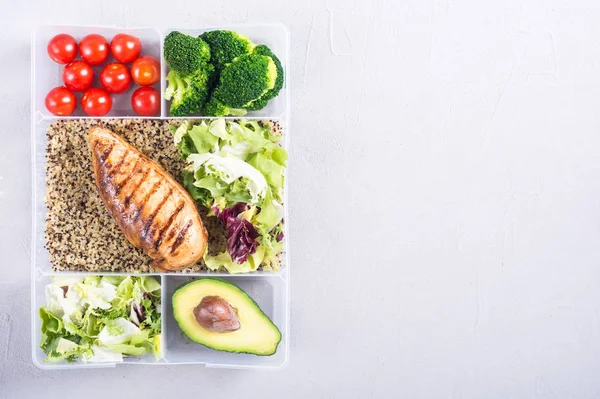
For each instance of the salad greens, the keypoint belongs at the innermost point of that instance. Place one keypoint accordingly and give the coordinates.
(236, 170)
(101, 319)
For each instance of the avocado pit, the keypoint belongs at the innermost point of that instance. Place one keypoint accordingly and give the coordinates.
(216, 314)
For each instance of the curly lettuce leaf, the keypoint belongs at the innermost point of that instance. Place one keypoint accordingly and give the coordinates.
(272, 249)
(224, 261)
(150, 285)
(197, 193)
(202, 139)
(270, 214)
(271, 170)
(52, 327)
(237, 162)
(225, 170)
(91, 318)
(238, 192)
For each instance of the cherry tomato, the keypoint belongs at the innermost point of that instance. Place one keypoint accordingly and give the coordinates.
(145, 101)
(115, 78)
(96, 102)
(62, 48)
(61, 101)
(94, 49)
(125, 48)
(78, 76)
(145, 71)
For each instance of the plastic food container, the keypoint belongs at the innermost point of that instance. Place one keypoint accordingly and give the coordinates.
(268, 289)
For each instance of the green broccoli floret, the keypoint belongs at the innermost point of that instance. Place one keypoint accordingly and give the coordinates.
(216, 108)
(243, 81)
(188, 93)
(225, 46)
(261, 102)
(184, 53)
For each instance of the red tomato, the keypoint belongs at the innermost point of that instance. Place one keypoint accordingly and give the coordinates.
(61, 101)
(145, 71)
(62, 48)
(96, 102)
(94, 49)
(145, 101)
(125, 48)
(115, 78)
(78, 76)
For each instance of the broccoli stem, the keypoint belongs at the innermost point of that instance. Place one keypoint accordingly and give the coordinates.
(237, 111)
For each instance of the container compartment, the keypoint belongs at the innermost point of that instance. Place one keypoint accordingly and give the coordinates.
(47, 74)
(270, 293)
(276, 36)
(40, 259)
(38, 300)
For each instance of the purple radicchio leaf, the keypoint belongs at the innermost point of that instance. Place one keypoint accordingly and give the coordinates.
(241, 234)
(232, 211)
(136, 314)
(241, 239)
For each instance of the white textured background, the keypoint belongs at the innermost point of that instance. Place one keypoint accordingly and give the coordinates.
(445, 196)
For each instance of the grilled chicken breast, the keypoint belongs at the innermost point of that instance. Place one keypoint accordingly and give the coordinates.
(153, 211)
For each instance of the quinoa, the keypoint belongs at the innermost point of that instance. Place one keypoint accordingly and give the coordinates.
(80, 233)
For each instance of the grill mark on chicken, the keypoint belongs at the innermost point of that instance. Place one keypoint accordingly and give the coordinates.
(115, 169)
(127, 199)
(165, 228)
(150, 219)
(181, 236)
(106, 152)
(123, 183)
(172, 234)
(152, 190)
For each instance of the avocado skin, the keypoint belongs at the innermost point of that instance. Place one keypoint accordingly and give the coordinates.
(244, 295)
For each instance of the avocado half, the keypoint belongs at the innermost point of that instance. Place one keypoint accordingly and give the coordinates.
(257, 334)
